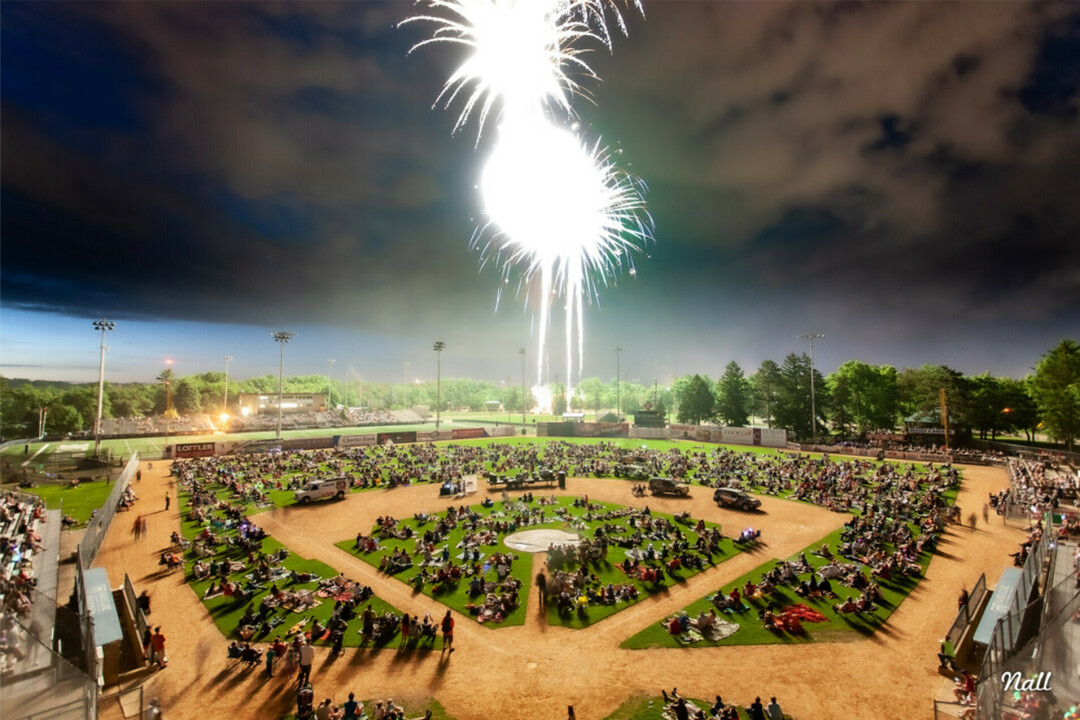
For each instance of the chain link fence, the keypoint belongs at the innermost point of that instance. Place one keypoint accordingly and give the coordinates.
(99, 524)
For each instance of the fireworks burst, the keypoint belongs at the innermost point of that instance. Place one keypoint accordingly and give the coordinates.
(559, 212)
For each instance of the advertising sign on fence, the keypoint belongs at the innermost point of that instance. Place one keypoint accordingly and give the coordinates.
(307, 443)
(346, 441)
(773, 437)
(397, 437)
(738, 436)
(193, 450)
(467, 433)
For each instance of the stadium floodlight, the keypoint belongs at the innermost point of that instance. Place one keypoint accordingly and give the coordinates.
(103, 325)
(521, 352)
(812, 336)
(282, 337)
(438, 348)
(225, 401)
(329, 382)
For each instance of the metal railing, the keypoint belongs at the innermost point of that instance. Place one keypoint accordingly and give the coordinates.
(1006, 640)
(965, 613)
(945, 710)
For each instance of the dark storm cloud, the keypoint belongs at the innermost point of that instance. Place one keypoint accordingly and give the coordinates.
(277, 170)
(882, 160)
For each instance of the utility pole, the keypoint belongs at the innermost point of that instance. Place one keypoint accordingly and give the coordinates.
(521, 351)
(438, 348)
(618, 397)
(329, 383)
(812, 336)
(225, 401)
(102, 325)
(283, 338)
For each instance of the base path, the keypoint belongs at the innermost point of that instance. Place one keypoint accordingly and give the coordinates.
(533, 671)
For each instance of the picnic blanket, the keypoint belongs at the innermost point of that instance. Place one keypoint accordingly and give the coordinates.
(804, 613)
(720, 629)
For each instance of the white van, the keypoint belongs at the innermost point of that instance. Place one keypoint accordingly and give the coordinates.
(318, 489)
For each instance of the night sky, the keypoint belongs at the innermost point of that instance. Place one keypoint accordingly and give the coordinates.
(903, 177)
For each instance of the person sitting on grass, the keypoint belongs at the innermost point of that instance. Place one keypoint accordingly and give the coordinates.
(704, 620)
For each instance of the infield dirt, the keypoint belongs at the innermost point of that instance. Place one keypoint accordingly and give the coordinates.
(534, 671)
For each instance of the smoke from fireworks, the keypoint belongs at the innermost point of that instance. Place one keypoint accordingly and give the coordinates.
(560, 213)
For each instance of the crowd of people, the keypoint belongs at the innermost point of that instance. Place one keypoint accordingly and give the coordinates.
(21, 517)
(677, 707)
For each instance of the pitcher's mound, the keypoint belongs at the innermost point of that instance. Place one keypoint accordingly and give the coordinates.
(536, 541)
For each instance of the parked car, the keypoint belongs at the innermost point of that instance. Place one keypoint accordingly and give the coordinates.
(318, 489)
(668, 486)
(738, 499)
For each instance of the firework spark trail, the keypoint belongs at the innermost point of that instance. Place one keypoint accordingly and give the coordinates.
(559, 213)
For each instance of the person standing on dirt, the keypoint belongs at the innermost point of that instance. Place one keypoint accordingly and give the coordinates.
(541, 585)
(168, 499)
(448, 632)
(157, 648)
(307, 657)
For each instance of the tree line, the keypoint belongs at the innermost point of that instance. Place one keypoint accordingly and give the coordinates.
(859, 399)
(853, 401)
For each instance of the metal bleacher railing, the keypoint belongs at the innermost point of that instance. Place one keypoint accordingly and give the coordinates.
(1006, 639)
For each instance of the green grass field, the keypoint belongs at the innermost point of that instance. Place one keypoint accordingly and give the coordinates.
(837, 628)
(438, 712)
(78, 502)
(226, 612)
(457, 596)
(652, 708)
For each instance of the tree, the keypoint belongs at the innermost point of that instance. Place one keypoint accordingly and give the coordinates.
(1021, 410)
(793, 408)
(765, 389)
(988, 404)
(593, 392)
(863, 396)
(83, 399)
(919, 392)
(698, 403)
(186, 397)
(1056, 387)
(732, 392)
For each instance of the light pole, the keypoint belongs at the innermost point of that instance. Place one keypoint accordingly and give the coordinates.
(521, 352)
(329, 382)
(282, 337)
(654, 396)
(103, 325)
(225, 401)
(618, 398)
(405, 384)
(811, 336)
(438, 348)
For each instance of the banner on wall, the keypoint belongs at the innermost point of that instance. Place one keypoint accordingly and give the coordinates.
(193, 450)
(347, 441)
(397, 438)
(467, 433)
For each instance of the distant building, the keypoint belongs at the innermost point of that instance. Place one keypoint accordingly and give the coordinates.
(259, 403)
